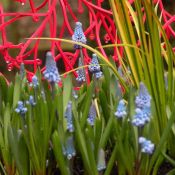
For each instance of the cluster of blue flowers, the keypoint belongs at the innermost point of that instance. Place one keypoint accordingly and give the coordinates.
(51, 73)
(21, 109)
(31, 101)
(143, 107)
(35, 82)
(92, 115)
(81, 74)
(78, 35)
(94, 67)
(69, 149)
(68, 115)
(121, 109)
(146, 145)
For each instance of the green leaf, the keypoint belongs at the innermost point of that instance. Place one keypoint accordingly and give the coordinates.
(67, 89)
(172, 172)
(17, 90)
(19, 151)
(86, 104)
(58, 152)
(111, 160)
(104, 105)
(3, 89)
(81, 143)
(107, 132)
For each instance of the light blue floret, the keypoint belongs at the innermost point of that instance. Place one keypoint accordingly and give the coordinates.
(91, 115)
(51, 73)
(35, 82)
(143, 107)
(69, 149)
(81, 74)
(121, 109)
(31, 101)
(101, 165)
(94, 67)
(78, 35)
(141, 117)
(21, 109)
(146, 145)
(68, 115)
(143, 99)
(94, 64)
(98, 74)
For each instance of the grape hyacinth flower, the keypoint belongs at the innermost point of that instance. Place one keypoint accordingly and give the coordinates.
(51, 73)
(91, 115)
(81, 74)
(78, 35)
(21, 109)
(141, 117)
(94, 64)
(101, 165)
(146, 145)
(94, 67)
(31, 101)
(69, 149)
(121, 109)
(143, 99)
(143, 107)
(35, 82)
(98, 74)
(68, 115)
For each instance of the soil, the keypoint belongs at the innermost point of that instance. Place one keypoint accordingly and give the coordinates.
(165, 168)
(78, 168)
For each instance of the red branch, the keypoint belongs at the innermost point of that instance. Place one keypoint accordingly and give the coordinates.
(100, 21)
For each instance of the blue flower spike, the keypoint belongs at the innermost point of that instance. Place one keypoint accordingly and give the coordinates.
(94, 64)
(51, 73)
(92, 115)
(21, 109)
(143, 107)
(69, 149)
(94, 67)
(101, 165)
(68, 115)
(81, 73)
(31, 101)
(35, 82)
(140, 118)
(143, 99)
(98, 75)
(121, 109)
(146, 145)
(78, 35)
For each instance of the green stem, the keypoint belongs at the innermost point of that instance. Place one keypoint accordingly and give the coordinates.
(2, 168)
(32, 145)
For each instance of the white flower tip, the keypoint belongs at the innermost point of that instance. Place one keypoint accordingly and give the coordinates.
(78, 23)
(94, 55)
(49, 53)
